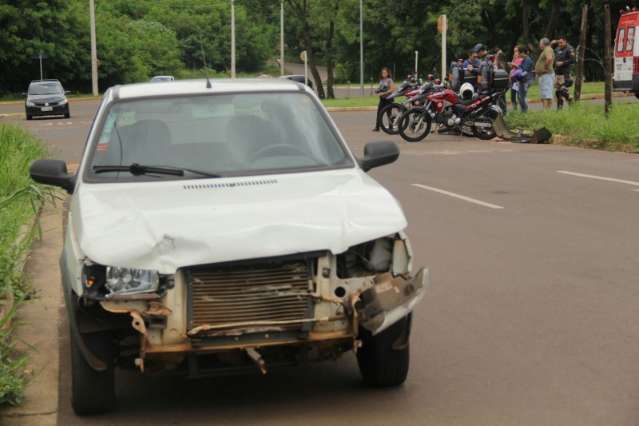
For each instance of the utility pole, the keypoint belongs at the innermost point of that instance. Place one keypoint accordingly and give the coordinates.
(361, 45)
(232, 38)
(416, 63)
(41, 73)
(282, 37)
(581, 52)
(608, 56)
(442, 27)
(94, 50)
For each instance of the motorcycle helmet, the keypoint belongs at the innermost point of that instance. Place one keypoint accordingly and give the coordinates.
(467, 91)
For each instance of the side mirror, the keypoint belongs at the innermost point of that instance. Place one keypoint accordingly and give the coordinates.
(66, 92)
(52, 172)
(378, 154)
(24, 93)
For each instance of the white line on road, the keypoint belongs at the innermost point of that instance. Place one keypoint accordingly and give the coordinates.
(459, 196)
(607, 179)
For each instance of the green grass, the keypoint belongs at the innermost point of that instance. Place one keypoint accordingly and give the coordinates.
(587, 89)
(586, 125)
(19, 199)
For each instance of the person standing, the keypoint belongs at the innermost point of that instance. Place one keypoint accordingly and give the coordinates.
(545, 71)
(524, 78)
(564, 58)
(385, 88)
(515, 70)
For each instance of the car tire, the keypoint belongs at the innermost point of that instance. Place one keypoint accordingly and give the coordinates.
(67, 114)
(92, 392)
(29, 117)
(384, 358)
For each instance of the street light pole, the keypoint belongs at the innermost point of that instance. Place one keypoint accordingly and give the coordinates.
(282, 37)
(41, 74)
(94, 51)
(232, 38)
(361, 45)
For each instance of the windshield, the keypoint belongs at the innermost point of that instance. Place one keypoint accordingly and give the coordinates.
(225, 135)
(50, 88)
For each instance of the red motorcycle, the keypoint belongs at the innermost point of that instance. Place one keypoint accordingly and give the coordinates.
(412, 90)
(446, 109)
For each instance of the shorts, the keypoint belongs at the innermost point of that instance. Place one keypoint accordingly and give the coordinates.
(560, 80)
(546, 86)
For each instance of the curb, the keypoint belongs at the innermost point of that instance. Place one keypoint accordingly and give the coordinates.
(25, 233)
(563, 140)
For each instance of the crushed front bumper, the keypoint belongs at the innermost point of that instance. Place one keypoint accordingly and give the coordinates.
(390, 300)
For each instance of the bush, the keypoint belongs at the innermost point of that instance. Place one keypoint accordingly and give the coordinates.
(19, 200)
(586, 124)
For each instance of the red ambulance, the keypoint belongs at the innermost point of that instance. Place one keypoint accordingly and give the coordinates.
(626, 76)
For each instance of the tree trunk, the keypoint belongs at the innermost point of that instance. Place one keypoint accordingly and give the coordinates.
(608, 56)
(581, 52)
(330, 62)
(525, 22)
(553, 22)
(330, 57)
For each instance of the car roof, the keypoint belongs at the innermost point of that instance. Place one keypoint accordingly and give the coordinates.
(44, 81)
(197, 87)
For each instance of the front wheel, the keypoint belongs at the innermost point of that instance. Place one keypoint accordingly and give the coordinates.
(384, 358)
(484, 128)
(415, 125)
(390, 118)
(92, 392)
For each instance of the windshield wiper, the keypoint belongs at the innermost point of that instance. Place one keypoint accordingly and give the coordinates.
(139, 169)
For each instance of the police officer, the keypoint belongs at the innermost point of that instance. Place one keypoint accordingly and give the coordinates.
(564, 58)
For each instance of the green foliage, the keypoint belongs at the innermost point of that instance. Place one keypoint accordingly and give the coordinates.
(586, 123)
(140, 38)
(19, 199)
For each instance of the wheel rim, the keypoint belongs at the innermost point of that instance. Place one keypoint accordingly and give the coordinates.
(417, 125)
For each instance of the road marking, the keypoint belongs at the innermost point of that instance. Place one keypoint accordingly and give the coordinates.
(459, 196)
(607, 179)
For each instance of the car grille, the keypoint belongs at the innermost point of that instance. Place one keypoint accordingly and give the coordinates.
(250, 294)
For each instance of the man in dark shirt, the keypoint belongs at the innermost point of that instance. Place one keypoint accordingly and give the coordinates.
(564, 58)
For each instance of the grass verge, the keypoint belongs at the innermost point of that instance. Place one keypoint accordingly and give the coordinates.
(586, 125)
(20, 199)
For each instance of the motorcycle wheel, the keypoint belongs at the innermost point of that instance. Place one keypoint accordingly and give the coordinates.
(415, 125)
(391, 116)
(484, 128)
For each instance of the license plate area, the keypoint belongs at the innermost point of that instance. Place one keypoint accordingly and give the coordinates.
(45, 109)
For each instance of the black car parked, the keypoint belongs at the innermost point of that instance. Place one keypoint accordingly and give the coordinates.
(46, 97)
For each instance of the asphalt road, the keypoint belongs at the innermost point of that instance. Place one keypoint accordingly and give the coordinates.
(532, 319)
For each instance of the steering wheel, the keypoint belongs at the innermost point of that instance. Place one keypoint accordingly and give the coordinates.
(279, 149)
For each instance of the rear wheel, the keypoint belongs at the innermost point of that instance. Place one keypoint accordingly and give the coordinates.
(384, 358)
(390, 118)
(92, 392)
(484, 128)
(637, 95)
(415, 125)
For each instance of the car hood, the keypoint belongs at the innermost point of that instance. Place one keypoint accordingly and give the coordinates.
(166, 225)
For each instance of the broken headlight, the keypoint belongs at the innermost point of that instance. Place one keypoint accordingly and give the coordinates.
(129, 280)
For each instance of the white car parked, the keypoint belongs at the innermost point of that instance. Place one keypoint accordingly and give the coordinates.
(222, 226)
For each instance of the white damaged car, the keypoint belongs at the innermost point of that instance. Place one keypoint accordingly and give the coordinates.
(216, 227)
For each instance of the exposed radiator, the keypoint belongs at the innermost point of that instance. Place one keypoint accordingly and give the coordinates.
(251, 292)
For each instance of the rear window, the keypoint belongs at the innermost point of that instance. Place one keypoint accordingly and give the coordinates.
(630, 39)
(621, 37)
